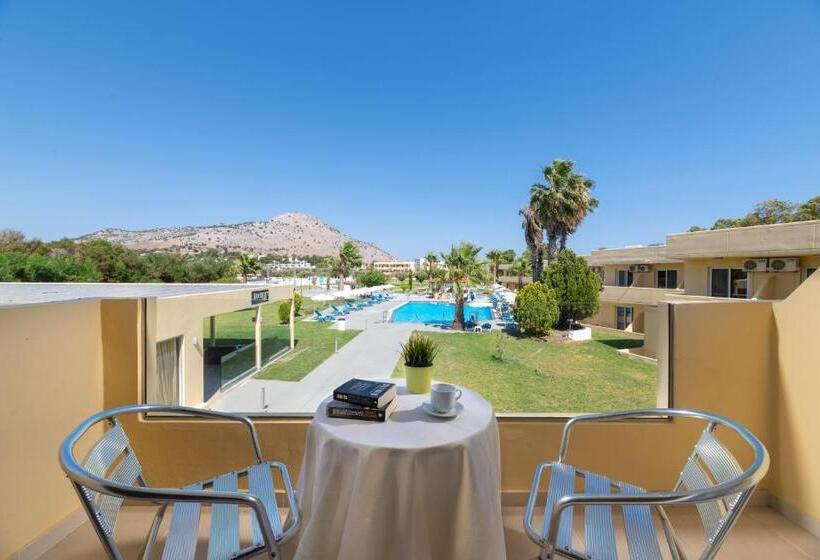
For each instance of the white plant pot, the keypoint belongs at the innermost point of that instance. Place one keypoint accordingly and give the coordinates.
(581, 334)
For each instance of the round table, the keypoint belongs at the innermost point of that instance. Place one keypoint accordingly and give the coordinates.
(415, 487)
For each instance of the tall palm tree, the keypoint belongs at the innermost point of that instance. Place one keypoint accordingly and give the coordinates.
(534, 237)
(349, 258)
(430, 262)
(495, 258)
(463, 267)
(247, 265)
(561, 202)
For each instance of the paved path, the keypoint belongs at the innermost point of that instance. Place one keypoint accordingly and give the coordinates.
(370, 355)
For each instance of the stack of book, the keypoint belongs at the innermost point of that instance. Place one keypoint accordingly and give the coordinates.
(363, 400)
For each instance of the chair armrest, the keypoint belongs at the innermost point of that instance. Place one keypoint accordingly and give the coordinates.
(204, 413)
(293, 502)
(611, 416)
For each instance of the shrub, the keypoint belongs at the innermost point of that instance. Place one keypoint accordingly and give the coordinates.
(284, 312)
(297, 298)
(420, 351)
(371, 277)
(536, 309)
(576, 287)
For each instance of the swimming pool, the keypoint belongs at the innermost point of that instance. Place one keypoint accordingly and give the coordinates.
(431, 313)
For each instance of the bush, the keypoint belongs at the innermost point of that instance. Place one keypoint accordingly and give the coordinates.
(371, 277)
(297, 298)
(576, 287)
(284, 312)
(420, 351)
(536, 309)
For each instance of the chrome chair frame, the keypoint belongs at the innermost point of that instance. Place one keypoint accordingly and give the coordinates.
(742, 486)
(85, 482)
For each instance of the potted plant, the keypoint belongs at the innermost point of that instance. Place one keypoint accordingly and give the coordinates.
(418, 355)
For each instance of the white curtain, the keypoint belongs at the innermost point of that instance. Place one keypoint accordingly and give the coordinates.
(166, 387)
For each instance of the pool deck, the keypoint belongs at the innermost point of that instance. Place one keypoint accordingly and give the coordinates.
(370, 355)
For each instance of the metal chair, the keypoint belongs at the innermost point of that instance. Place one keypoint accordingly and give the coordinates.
(712, 480)
(112, 473)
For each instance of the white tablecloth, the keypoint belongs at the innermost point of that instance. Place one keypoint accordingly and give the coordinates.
(415, 487)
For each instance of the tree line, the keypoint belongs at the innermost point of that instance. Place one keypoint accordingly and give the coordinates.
(99, 260)
(772, 211)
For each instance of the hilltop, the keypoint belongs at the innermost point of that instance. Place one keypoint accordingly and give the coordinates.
(286, 234)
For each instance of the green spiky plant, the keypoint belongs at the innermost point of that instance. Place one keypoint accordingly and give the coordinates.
(420, 351)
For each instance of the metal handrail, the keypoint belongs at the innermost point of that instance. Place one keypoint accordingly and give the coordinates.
(81, 476)
(747, 480)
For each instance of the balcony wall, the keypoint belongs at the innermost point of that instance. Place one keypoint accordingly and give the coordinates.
(647, 254)
(778, 240)
(796, 450)
(52, 374)
(638, 296)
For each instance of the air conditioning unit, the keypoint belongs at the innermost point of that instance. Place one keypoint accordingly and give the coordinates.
(756, 265)
(640, 268)
(787, 264)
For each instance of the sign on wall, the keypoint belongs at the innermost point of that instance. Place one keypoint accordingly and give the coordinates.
(259, 296)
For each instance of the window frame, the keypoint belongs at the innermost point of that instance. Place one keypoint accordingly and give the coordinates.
(631, 315)
(630, 278)
(666, 272)
(729, 270)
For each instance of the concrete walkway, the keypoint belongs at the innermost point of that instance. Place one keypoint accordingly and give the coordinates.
(370, 355)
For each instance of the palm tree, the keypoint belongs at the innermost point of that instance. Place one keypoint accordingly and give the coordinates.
(495, 258)
(521, 267)
(334, 269)
(561, 202)
(247, 265)
(462, 268)
(534, 237)
(349, 258)
(430, 262)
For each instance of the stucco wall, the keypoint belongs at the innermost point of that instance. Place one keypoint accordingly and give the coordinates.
(51, 370)
(795, 478)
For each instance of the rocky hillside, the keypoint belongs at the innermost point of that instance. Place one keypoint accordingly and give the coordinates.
(286, 234)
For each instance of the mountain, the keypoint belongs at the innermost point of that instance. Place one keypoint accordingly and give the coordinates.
(287, 234)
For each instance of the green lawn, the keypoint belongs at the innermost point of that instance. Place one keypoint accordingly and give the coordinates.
(315, 342)
(537, 376)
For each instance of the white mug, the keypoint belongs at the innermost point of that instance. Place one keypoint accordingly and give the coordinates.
(443, 397)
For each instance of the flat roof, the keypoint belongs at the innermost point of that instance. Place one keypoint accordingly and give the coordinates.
(20, 293)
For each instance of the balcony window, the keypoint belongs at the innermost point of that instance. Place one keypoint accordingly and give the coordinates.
(165, 387)
(625, 278)
(728, 282)
(624, 317)
(667, 279)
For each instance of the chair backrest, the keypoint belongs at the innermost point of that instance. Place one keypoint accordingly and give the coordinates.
(711, 465)
(111, 459)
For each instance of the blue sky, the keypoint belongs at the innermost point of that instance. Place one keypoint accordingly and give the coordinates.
(412, 125)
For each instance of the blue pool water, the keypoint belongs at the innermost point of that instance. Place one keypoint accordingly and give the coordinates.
(438, 313)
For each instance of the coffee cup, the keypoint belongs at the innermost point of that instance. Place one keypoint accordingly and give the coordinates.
(443, 397)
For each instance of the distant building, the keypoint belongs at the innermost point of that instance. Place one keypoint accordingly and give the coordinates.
(392, 267)
(749, 263)
(288, 267)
